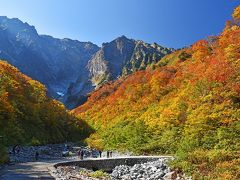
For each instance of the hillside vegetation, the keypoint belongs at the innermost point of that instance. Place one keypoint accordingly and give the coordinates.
(188, 104)
(28, 116)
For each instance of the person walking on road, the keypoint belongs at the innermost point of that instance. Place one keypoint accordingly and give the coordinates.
(82, 154)
(36, 155)
(110, 153)
(79, 153)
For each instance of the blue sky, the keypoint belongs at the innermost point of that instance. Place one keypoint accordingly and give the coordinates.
(173, 23)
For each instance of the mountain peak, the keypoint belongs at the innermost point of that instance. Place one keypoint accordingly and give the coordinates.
(16, 26)
(122, 37)
(122, 56)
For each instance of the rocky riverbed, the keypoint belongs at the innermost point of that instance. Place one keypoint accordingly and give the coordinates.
(155, 170)
(28, 153)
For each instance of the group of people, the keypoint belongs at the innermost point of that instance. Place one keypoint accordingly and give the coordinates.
(81, 153)
(88, 153)
(92, 153)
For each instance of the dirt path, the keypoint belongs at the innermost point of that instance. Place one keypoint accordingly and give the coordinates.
(25, 171)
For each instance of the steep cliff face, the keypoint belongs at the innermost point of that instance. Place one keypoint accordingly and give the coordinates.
(123, 56)
(117, 58)
(108, 62)
(99, 68)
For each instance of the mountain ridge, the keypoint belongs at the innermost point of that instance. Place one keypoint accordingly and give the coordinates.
(67, 67)
(23, 46)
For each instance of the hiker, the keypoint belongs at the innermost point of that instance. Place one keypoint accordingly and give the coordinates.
(91, 153)
(107, 154)
(100, 153)
(110, 153)
(82, 154)
(16, 149)
(79, 153)
(36, 155)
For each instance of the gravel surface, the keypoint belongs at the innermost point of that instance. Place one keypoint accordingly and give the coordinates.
(27, 153)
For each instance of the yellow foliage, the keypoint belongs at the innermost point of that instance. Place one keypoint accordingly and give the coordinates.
(236, 14)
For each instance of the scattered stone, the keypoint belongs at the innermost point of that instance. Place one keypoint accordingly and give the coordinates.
(155, 170)
(152, 170)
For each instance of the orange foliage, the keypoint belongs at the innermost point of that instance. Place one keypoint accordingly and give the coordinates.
(188, 104)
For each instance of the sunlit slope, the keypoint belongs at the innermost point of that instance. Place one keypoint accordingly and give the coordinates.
(187, 104)
(27, 115)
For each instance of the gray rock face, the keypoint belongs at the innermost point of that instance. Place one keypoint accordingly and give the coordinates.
(108, 62)
(123, 56)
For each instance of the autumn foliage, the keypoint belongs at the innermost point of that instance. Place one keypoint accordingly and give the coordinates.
(190, 108)
(28, 116)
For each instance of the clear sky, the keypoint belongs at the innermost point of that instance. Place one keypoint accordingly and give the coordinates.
(173, 23)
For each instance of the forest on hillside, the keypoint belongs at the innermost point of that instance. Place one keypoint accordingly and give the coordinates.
(188, 104)
(28, 116)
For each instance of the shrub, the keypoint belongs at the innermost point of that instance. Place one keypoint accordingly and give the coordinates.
(3, 155)
(184, 56)
(99, 174)
(35, 142)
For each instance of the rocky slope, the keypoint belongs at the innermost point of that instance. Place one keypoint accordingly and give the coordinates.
(117, 58)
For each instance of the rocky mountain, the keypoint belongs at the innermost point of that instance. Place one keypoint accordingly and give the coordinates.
(117, 58)
(123, 56)
(70, 69)
(54, 62)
